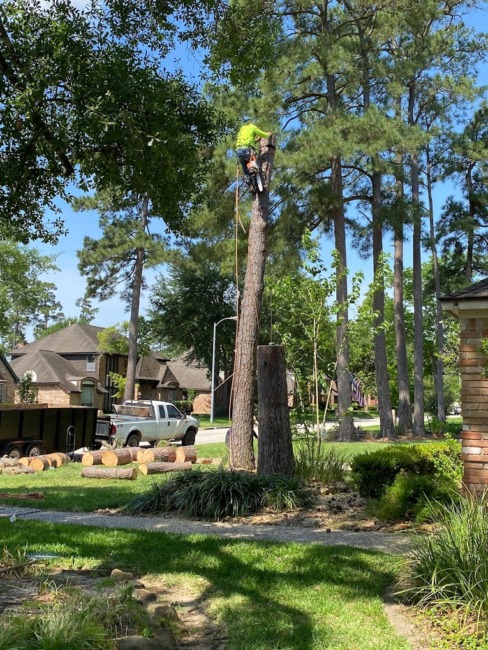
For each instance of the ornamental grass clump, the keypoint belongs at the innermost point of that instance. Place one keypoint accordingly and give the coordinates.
(222, 493)
(315, 461)
(449, 568)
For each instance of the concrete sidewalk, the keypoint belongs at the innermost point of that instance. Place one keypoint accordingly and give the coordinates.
(396, 543)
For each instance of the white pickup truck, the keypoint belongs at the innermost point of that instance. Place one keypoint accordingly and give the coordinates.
(138, 421)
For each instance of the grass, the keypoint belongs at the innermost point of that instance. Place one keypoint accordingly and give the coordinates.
(204, 421)
(266, 595)
(65, 489)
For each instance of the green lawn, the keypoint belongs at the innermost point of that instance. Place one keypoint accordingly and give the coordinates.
(65, 489)
(204, 421)
(266, 595)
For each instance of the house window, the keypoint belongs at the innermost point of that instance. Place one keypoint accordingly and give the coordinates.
(87, 394)
(3, 392)
(91, 365)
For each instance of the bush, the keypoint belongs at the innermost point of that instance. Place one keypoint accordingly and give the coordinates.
(221, 493)
(184, 405)
(319, 462)
(407, 497)
(373, 472)
(450, 567)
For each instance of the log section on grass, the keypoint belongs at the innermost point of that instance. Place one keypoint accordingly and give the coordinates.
(92, 458)
(117, 457)
(127, 473)
(161, 468)
(184, 454)
(161, 454)
(40, 464)
(10, 462)
(18, 470)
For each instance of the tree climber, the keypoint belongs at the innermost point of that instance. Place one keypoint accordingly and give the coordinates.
(248, 135)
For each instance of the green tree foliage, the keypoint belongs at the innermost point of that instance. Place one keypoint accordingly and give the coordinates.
(84, 100)
(25, 299)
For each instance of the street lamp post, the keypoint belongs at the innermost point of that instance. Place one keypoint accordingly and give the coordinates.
(212, 390)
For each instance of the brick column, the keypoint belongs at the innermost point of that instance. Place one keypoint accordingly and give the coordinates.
(474, 402)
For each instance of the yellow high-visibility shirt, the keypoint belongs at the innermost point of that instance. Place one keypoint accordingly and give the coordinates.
(247, 136)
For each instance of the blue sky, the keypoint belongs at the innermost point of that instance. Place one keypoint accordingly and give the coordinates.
(71, 285)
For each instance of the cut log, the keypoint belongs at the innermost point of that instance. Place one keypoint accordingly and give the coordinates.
(23, 462)
(92, 458)
(158, 454)
(133, 452)
(60, 458)
(39, 464)
(18, 470)
(47, 458)
(161, 468)
(9, 462)
(184, 454)
(117, 457)
(127, 473)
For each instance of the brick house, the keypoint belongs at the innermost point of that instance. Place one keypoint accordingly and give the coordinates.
(69, 368)
(470, 307)
(8, 381)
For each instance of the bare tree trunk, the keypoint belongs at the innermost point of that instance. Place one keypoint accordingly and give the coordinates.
(134, 309)
(241, 445)
(418, 359)
(381, 364)
(275, 451)
(404, 411)
(344, 397)
(439, 328)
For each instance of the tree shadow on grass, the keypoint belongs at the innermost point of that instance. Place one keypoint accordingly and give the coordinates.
(254, 586)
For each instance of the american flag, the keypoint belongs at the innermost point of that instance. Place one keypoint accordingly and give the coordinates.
(357, 395)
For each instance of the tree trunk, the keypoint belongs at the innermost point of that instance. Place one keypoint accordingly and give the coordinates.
(127, 473)
(418, 338)
(381, 363)
(275, 450)
(134, 309)
(344, 396)
(439, 328)
(40, 464)
(162, 468)
(404, 408)
(241, 445)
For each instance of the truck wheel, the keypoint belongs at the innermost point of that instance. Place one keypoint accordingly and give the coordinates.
(132, 441)
(36, 449)
(189, 438)
(15, 453)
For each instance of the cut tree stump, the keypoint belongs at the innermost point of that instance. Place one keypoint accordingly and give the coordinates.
(158, 454)
(39, 464)
(92, 458)
(161, 468)
(117, 457)
(127, 473)
(186, 453)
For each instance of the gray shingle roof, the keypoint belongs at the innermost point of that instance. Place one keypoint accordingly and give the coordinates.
(4, 364)
(190, 376)
(473, 292)
(74, 339)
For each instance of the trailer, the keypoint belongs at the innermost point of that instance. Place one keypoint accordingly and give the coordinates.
(34, 429)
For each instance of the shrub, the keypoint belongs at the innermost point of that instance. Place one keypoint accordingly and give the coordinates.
(373, 472)
(221, 493)
(406, 498)
(450, 567)
(319, 462)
